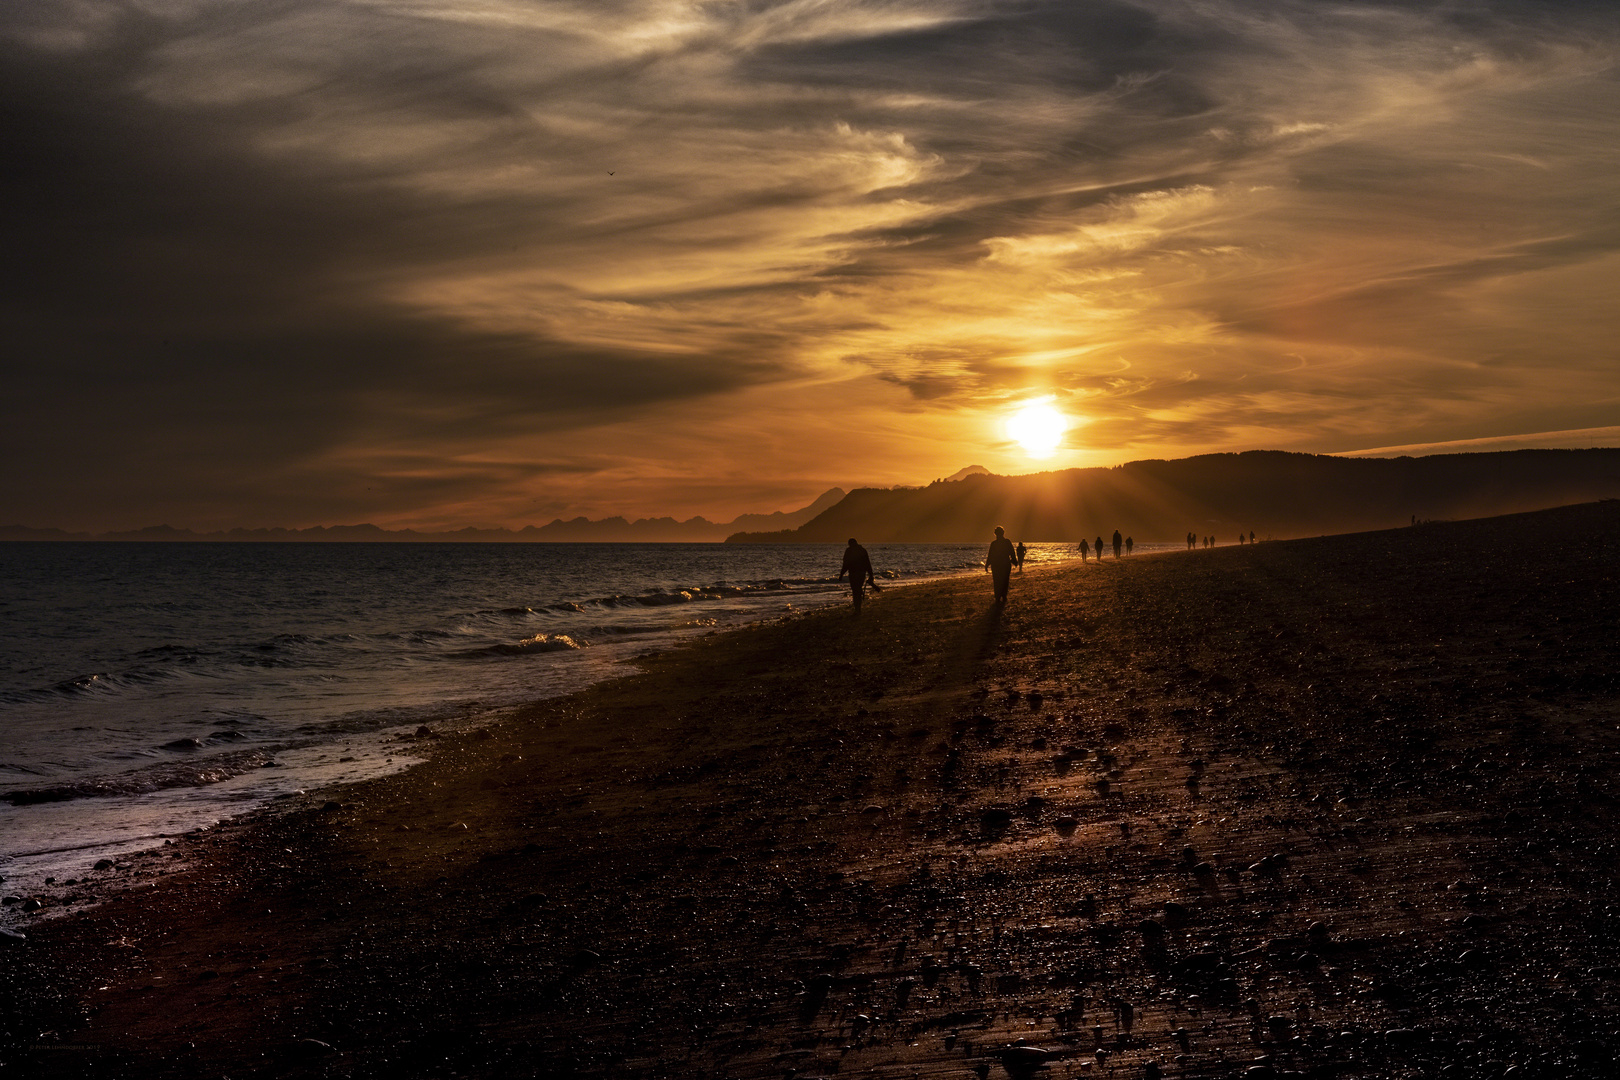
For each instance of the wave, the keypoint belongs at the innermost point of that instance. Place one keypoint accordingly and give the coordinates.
(697, 593)
(213, 737)
(100, 682)
(539, 643)
(145, 781)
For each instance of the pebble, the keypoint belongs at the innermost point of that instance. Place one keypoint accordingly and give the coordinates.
(1022, 1060)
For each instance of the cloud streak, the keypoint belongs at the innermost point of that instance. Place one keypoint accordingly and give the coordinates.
(438, 264)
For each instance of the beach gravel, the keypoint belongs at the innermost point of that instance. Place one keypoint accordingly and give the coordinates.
(1333, 807)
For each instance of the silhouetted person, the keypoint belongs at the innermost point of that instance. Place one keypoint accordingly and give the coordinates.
(1020, 553)
(1085, 550)
(999, 562)
(1099, 549)
(1129, 543)
(1192, 541)
(1119, 542)
(1251, 536)
(858, 565)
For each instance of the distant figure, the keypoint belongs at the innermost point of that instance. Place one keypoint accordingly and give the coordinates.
(1022, 551)
(1129, 543)
(1251, 536)
(999, 562)
(1192, 541)
(1240, 539)
(1099, 549)
(1085, 550)
(1119, 542)
(858, 565)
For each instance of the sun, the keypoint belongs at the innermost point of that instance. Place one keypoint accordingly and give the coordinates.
(1038, 427)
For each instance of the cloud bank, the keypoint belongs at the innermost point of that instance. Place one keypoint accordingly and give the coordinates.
(436, 264)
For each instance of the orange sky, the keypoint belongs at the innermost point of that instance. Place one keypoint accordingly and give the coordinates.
(436, 264)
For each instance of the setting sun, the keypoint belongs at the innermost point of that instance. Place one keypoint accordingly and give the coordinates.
(1038, 427)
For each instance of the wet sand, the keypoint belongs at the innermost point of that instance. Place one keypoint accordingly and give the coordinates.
(1334, 807)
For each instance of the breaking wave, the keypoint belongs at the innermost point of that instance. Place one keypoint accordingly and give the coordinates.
(539, 643)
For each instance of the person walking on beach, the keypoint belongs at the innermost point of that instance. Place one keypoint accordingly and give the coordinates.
(1085, 550)
(1022, 551)
(858, 565)
(1099, 549)
(999, 562)
(1119, 542)
(1129, 543)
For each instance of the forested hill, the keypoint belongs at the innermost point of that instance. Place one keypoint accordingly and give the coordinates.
(1272, 493)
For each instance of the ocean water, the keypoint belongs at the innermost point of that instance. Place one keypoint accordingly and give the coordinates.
(150, 689)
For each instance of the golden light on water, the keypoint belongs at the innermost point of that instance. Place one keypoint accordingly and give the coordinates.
(1038, 426)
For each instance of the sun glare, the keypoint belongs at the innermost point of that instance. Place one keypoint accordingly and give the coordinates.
(1038, 427)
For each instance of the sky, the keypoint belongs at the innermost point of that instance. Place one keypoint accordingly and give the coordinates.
(432, 263)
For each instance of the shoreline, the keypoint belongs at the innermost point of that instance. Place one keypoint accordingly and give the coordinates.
(91, 816)
(907, 840)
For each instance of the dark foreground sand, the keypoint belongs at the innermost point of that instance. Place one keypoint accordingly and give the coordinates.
(1337, 807)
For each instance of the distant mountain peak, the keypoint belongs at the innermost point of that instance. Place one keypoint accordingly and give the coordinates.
(963, 474)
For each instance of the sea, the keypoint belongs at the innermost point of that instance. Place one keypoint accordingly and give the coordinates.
(153, 689)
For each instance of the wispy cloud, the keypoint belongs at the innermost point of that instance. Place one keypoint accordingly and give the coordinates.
(443, 263)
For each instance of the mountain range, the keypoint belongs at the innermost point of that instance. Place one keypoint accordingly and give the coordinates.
(608, 530)
(1271, 493)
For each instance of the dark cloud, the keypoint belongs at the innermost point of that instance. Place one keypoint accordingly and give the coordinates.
(191, 322)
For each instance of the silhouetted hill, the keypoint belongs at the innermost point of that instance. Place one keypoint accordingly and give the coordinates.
(1273, 493)
(668, 530)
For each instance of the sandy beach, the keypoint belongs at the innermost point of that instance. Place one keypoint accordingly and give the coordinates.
(1332, 807)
